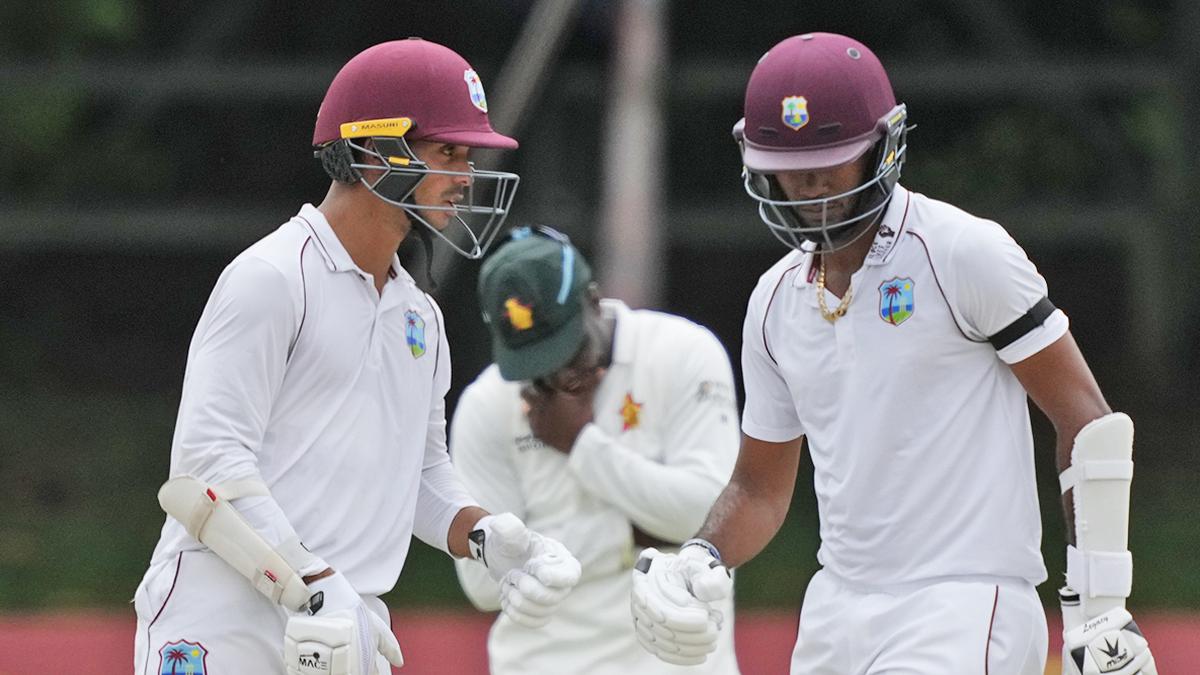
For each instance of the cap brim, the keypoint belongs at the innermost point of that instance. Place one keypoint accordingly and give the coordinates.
(541, 358)
(771, 160)
(472, 139)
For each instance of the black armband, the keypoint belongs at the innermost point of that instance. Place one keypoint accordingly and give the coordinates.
(1018, 329)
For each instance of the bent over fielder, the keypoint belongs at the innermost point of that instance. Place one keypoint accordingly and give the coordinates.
(901, 337)
(608, 428)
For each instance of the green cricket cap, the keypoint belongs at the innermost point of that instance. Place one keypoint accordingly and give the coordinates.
(532, 294)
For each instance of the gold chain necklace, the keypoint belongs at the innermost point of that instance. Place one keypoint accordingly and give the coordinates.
(840, 311)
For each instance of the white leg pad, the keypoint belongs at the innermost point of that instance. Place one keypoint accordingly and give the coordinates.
(1099, 566)
(206, 513)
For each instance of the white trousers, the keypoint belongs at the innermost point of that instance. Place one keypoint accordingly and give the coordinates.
(197, 605)
(197, 615)
(951, 627)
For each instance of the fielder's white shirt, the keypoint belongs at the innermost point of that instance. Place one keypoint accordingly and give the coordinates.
(661, 449)
(301, 374)
(918, 430)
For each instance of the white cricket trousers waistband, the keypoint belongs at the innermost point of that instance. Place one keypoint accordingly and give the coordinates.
(196, 610)
(962, 626)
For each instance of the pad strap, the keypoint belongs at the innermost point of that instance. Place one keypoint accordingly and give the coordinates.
(1101, 573)
(208, 515)
(1095, 470)
(246, 487)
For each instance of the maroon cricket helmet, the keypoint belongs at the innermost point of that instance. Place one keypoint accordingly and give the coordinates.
(431, 85)
(814, 101)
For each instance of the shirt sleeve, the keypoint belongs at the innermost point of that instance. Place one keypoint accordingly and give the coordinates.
(482, 451)
(769, 413)
(235, 368)
(441, 494)
(996, 285)
(669, 498)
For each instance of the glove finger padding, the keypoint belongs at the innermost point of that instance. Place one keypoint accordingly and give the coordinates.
(680, 611)
(522, 612)
(552, 564)
(535, 591)
(670, 651)
(1110, 644)
(527, 601)
(668, 620)
(386, 643)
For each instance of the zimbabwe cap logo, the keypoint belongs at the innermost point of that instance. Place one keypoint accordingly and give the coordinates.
(795, 112)
(520, 316)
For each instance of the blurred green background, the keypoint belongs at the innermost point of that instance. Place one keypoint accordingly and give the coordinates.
(145, 144)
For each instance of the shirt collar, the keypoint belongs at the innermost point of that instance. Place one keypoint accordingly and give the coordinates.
(888, 234)
(625, 330)
(882, 249)
(336, 257)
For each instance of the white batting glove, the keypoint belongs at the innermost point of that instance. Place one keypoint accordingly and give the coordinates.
(1110, 644)
(535, 573)
(343, 637)
(672, 601)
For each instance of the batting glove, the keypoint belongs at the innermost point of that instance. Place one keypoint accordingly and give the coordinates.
(343, 637)
(535, 573)
(1111, 643)
(673, 615)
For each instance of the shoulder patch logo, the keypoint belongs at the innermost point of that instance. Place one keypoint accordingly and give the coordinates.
(414, 333)
(181, 656)
(896, 300)
(475, 88)
(631, 413)
(795, 112)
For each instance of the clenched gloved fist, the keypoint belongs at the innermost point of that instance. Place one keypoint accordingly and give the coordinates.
(343, 637)
(673, 615)
(535, 573)
(1110, 644)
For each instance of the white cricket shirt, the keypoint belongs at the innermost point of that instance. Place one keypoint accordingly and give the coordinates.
(918, 430)
(300, 373)
(661, 449)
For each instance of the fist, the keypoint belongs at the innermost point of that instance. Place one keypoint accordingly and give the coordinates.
(557, 416)
(1110, 644)
(671, 603)
(535, 573)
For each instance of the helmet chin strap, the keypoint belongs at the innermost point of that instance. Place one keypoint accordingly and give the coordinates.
(845, 235)
(427, 245)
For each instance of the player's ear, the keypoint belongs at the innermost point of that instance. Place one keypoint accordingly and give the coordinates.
(593, 296)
